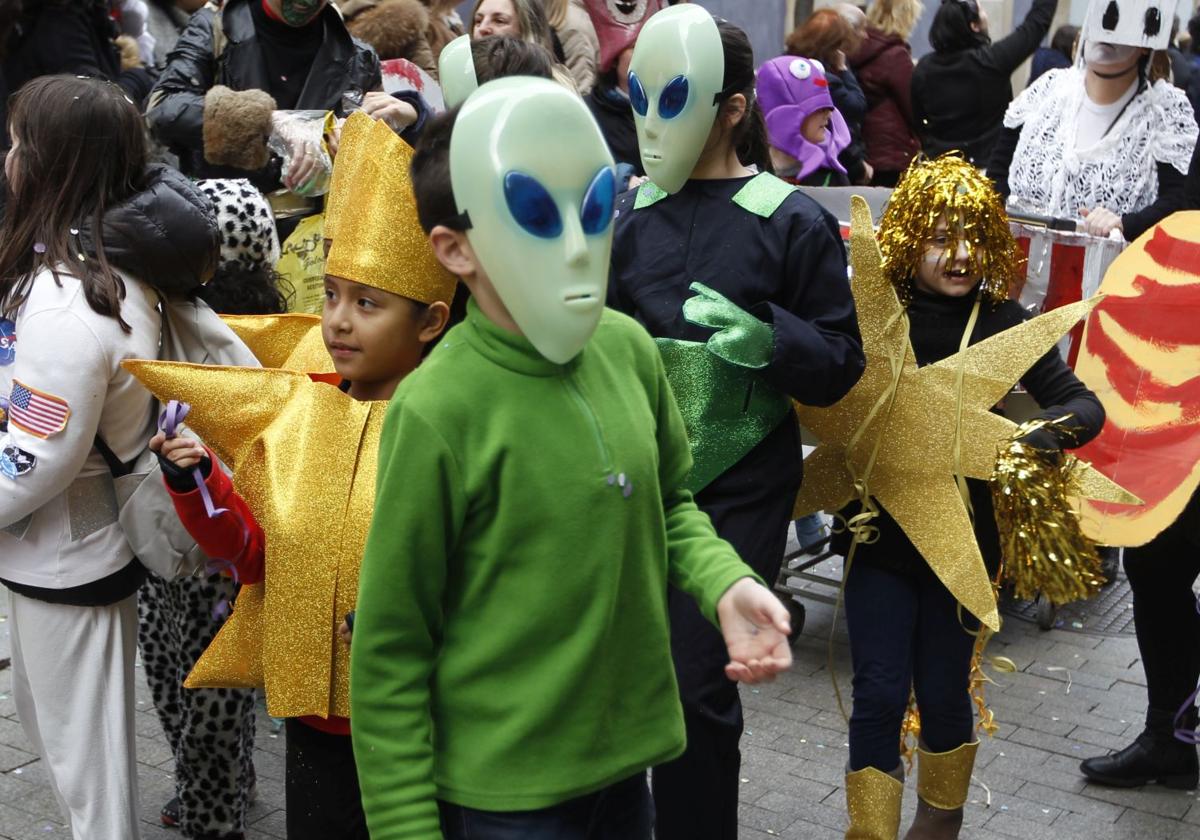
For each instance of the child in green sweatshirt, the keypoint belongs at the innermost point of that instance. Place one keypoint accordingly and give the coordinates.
(511, 671)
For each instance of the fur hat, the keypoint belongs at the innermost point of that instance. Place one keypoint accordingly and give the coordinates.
(246, 223)
(236, 126)
(396, 29)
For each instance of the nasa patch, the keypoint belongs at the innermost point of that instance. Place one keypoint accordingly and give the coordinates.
(16, 462)
(8, 342)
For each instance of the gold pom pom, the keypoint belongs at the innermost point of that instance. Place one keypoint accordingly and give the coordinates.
(1042, 546)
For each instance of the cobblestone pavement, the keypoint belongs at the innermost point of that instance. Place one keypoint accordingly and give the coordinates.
(1074, 695)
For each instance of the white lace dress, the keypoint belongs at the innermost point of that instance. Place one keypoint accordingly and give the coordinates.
(1048, 175)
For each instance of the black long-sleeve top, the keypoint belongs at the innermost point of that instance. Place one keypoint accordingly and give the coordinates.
(959, 97)
(851, 102)
(70, 37)
(788, 270)
(936, 325)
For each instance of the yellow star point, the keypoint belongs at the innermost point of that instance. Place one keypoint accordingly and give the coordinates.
(913, 473)
(290, 342)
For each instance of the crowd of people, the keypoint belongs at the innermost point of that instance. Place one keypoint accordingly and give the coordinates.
(494, 531)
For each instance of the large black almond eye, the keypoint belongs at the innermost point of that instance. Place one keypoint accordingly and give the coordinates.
(1153, 22)
(1112, 16)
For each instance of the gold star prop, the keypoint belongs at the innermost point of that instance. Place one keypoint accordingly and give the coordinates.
(291, 342)
(899, 420)
(303, 456)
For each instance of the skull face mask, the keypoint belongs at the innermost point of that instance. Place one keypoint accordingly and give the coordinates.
(531, 172)
(675, 80)
(1134, 23)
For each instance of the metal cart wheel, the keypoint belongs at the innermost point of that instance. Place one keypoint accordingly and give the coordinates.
(1046, 612)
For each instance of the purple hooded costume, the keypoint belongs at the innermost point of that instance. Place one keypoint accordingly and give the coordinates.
(789, 90)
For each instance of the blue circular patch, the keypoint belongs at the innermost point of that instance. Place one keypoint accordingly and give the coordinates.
(8, 341)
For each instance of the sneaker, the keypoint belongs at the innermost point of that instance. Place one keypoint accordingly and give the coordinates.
(170, 813)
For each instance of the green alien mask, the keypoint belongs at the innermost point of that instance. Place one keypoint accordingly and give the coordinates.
(536, 184)
(675, 78)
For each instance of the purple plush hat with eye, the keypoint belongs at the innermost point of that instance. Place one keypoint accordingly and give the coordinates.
(789, 90)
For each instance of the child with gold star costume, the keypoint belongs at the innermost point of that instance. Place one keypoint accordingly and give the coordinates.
(303, 455)
(511, 670)
(951, 259)
(741, 279)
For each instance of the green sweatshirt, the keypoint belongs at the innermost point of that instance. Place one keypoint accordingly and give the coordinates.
(511, 648)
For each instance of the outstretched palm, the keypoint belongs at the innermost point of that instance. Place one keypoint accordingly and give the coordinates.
(756, 627)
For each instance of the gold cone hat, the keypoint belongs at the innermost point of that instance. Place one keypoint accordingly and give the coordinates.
(352, 145)
(377, 239)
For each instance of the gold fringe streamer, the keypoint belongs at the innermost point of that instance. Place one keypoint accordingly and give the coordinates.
(951, 188)
(1042, 547)
(910, 733)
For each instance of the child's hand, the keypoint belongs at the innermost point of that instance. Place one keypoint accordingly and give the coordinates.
(756, 627)
(183, 452)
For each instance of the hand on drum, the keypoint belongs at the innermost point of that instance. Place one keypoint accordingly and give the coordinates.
(1100, 221)
(756, 627)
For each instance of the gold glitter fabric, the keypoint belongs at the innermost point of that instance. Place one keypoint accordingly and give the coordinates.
(949, 187)
(379, 241)
(291, 342)
(873, 803)
(1042, 546)
(943, 779)
(352, 145)
(303, 456)
(900, 419)
(726, 409)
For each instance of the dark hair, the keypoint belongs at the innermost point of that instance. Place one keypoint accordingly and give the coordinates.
(749, 135)
(82, 149)
(237, 290)
(821, 36)
(1193, 28)
(497, 56)
(430, 170)
(951, 28)
(1063, 40)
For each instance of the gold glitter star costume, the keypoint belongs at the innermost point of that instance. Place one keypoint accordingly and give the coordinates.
(303, 457)
(303, 453)
(907, 413)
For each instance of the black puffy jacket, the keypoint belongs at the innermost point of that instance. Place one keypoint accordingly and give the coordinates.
(165, 234)
(176, 107)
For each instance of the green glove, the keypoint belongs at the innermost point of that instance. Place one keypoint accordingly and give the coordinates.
(741, 339)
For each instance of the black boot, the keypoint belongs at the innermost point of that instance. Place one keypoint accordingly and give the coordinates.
(1155, 756)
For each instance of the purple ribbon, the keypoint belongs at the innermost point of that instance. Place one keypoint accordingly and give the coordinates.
(1182, 732)
(168, 422)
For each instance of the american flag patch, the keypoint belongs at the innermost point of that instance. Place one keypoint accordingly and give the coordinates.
(36, 412)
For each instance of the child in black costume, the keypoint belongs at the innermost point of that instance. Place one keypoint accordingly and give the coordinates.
(948, 251)
(770, 271)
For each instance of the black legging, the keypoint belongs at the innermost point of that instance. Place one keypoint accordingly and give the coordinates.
(1161, 574)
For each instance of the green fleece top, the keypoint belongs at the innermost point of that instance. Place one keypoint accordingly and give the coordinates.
(511, 648)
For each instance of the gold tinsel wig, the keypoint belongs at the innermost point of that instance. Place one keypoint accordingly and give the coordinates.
(949, 187)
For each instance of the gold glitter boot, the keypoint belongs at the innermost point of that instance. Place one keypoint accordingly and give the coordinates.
(873, 803)
(942, 783)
